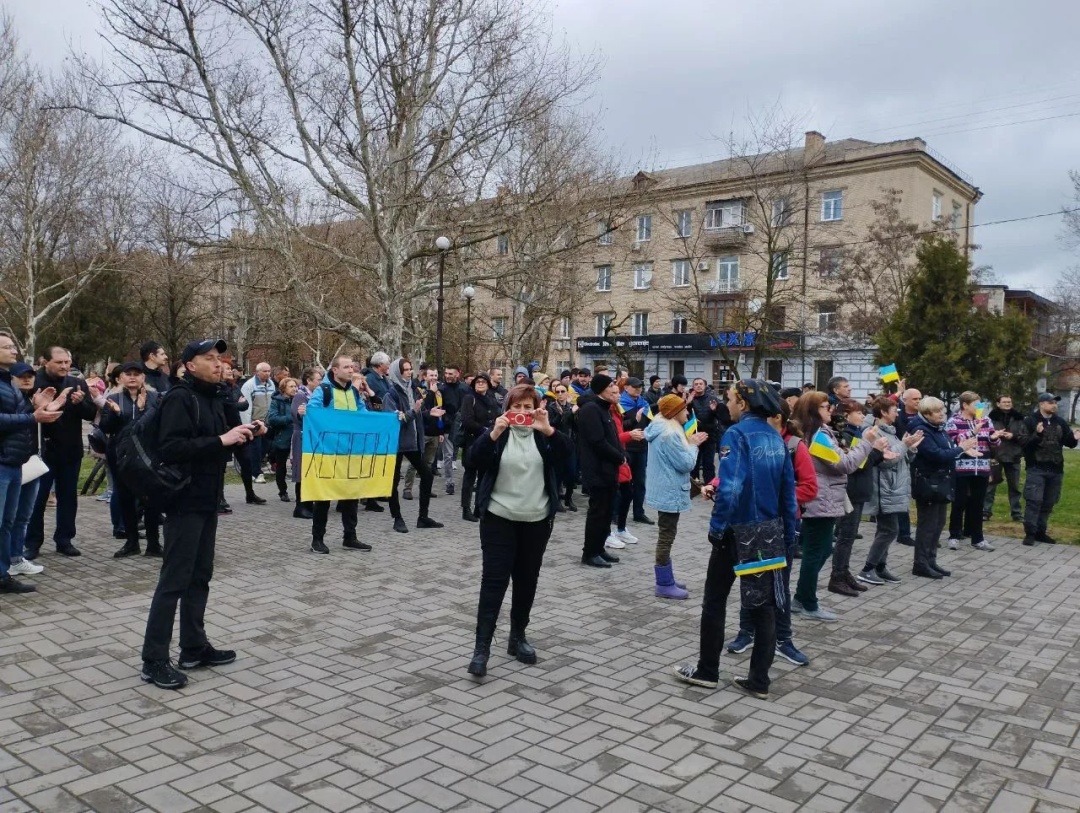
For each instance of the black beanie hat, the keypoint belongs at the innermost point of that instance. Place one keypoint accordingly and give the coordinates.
(600, 382)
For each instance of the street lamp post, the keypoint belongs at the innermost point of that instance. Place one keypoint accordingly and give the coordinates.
(443, 245)
(468, 292)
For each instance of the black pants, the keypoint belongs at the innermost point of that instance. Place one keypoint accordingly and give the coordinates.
(426, 479)
(1042, 490)
(129, 510)
(280, 457)
(511, 550)
(620, 508)
(718, 582)
(639, 461)
(966, 517)
(321, 512)
(468, 486)
(706, 461)
(185, 576)
(931, 519)
(598, 519)
(64, 473)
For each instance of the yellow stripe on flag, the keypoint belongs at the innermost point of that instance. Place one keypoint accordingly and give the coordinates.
(346, 477)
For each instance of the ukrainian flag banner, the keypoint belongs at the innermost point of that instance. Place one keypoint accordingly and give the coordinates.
(888, 373)
(823, 447)
(348, 455)
(690, 427)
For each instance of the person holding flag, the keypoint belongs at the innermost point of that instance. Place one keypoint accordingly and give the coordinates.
(636, 413)
(832, 465)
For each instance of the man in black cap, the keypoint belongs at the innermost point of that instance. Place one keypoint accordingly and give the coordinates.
(600, 455)
(193, 432)
(62, 451)
(1047, 434)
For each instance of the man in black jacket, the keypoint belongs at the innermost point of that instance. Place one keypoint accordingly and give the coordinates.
(1046, 435)
(706, 407)
(1007, 455)
(155, 363)
(193, 432)
(62, 451)
(600, 455)
(453, 391)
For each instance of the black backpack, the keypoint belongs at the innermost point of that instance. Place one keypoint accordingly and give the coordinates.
(138, 462)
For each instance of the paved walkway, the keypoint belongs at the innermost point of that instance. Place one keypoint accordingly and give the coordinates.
(351, 694)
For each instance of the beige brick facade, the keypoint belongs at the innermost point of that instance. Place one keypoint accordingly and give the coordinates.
(704, 257)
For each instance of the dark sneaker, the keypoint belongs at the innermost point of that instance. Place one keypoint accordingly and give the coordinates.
(428, 522)
(594, 561)
(1030, 540)
(1046, 538)
(255, 499)
(154, 551)
(355, 544)
(743, 641)
(644, 520)
(886, 575)
(450, 489)
(127, 550)
(372, 505)
(400, 526)
(788, 650)
(406, 494)
(906, 540)
(10, 585)
(69, 550)
(689, 674)
(163, 675)
(318, 546)
(608, 557)
(744, 684)
(208, 657)
(940, 569)
(870, 577)
(224, 508)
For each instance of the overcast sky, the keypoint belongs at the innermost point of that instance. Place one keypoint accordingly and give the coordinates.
(992, 86)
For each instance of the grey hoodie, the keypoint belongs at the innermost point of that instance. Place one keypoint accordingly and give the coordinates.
(892, 478)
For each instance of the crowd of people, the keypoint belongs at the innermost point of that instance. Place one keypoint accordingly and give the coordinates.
(790, 473)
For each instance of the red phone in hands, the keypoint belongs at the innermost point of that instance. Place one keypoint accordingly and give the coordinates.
(520, 418)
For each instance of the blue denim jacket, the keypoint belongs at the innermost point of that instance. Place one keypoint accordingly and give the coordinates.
(757, 479)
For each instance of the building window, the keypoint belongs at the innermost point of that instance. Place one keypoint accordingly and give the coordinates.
(605, 236)
(679, 323)
(676, 368)
(603, 323)
(502, 244)
(727, 274)
(780, 265)
(684, 223)
(722, 374)
(781, 212)
(823, 371)
(498, 327)
(957, 215)
(724, 313)
(826, 319)
(935, 207)
(720, 214)
(680, 273)
(642, 276)
(831, 263)
(563, 364)
(603, 278)
(644, 228)
(774, 370)
(640, 324)
(564, 327)
(832, 205)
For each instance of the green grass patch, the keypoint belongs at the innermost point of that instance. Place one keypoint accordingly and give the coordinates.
(1064, 523)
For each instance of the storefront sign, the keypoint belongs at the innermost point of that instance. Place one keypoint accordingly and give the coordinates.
(668, 342)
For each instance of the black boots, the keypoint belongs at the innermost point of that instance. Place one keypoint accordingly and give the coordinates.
(466, 503)
(517, 647)
(485, 630)
(568, 500)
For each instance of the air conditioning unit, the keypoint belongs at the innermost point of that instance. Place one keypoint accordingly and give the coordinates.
(703, 265)
(748, 228)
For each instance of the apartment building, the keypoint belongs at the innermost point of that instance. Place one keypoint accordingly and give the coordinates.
(718, 265)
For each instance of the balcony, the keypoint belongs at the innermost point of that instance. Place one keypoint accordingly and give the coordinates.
(726, 237)
(722, 286)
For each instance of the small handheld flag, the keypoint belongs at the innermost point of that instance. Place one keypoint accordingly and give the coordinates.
(823, 447)
(690, 427)
(889, 374)
(855, 442)
(981, 408)
(760, 566)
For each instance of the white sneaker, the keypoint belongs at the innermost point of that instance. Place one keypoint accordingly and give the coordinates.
(613, 541)
(984, 546)
(954, 544)
(626, 537)
(105, 497)
(260, 479)
(25, 567)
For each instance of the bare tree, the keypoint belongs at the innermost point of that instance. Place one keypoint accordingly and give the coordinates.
(388, 115)
(67, 202)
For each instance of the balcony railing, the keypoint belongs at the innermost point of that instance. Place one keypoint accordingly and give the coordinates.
(723, 286)
(725, 237)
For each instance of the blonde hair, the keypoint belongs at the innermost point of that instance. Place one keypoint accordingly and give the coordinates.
(929, 404)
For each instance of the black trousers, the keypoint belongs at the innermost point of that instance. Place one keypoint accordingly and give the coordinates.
(280, 457)
(718, 582)
(186, 570)
(639, 463)
(706, 461)
(966, 517)
(64, 474)
(321, 512)
(511, 551)
(598, 519)
(928, 532)
(426, 479)
(129, 510)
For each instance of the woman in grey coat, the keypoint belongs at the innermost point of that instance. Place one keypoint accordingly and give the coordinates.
(891, 491)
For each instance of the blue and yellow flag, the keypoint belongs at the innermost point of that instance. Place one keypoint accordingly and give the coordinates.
(348, 455)
(855, 442)
(888, 373)
(982, 409)
(822, 446)
(690, 427)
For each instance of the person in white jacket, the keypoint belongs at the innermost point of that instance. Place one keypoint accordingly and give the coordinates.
(258, 391)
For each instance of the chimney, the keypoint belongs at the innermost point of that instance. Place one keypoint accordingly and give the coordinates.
(815, 145)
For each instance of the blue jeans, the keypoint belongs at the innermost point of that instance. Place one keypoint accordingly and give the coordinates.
(27, 498)
(10, 485)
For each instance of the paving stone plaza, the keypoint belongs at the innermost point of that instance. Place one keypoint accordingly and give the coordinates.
(350, 691)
